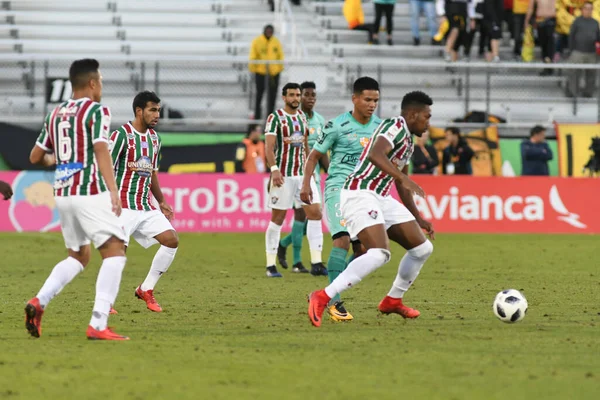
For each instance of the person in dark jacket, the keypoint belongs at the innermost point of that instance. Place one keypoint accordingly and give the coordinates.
(424, 158)
(535, 153)
(457, 156)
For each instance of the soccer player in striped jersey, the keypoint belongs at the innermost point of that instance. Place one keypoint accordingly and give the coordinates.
(345, 136)
(75, 139)
(374, 216)
(135, 149)
(286, 132)
(316, 122)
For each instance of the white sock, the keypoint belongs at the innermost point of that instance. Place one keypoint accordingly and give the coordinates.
(409, 268)
(161, 263)
(63, 273)
(272, 242)
(357, 270)
(314, 234)
(107, 288)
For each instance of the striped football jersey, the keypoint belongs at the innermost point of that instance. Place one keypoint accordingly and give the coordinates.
(70, 132)
(366, 175)
(135, 156)
(291, 132)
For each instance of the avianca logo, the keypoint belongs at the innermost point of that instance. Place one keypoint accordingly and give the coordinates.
(558, 206)
(457, 206)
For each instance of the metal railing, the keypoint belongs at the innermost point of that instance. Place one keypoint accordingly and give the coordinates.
(219, 92)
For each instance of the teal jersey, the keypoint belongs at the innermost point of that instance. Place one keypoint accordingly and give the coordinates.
(346, 138)
(315, 127)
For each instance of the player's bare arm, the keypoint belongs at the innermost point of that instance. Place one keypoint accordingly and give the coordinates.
(378, 156)
(105, 165)
(276, 177)
(166, 209)
(5, 190)
(39, 156)
(409, 202)
(309, 168)
(324, 161)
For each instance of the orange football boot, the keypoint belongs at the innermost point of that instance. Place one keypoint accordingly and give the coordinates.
(107, 334)
(148, 297)
(317, 302)
(33, 317)
(391, 305)
(112, 311)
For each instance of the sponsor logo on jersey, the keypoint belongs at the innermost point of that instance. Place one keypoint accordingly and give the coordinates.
(130, 136)
(350, 159)
(65, 171)
(373, 214)
(143, 166)
(295, 140)
(68, 111)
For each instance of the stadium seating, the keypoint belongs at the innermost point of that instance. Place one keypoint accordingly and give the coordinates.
(129, 36)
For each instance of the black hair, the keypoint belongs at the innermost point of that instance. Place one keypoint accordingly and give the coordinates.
(290, 85)
(535, 130)
(80, 70)
(142, 99)
(364, 83)
(308, 85)
(251, 129)
(415, 99)
(454, 130)
(269, 26)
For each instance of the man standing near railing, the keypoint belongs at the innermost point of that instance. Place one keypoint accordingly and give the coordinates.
(584, 39)
(266, 47)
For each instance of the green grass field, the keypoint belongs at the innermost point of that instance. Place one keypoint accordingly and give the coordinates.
(228, 332)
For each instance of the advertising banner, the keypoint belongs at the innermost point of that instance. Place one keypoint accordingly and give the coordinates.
(240, 203)
(578, 153)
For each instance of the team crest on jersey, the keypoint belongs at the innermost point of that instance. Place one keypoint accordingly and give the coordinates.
(373, 214)
(143, 166)
(153, 136)
(274, 199)
(364, 142)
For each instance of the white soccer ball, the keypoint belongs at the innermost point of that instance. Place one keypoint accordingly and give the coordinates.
(510, 306)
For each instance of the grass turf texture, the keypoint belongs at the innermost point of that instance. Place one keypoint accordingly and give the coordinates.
(229, 332)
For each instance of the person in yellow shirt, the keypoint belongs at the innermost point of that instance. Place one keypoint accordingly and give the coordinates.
(355, 17)
(266, 47)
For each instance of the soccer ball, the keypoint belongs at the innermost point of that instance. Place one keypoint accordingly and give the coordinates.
(510, 306)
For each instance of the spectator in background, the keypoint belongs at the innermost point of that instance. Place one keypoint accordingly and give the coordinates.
(5, 190)
(418, 7)
(535, 153)
(566, 12)
(545, 19)
(355, 17)
(492, 24)
(519, 11)
(457, 156)
(384, 7)
(266, 47)
(507, 16)
(583, 39)
(424, 158)
(250, 154)
(456, 13)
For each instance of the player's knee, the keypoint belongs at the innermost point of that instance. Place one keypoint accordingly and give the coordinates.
(422, 251)
(342, 242)
(171, 240)
(382, 255)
